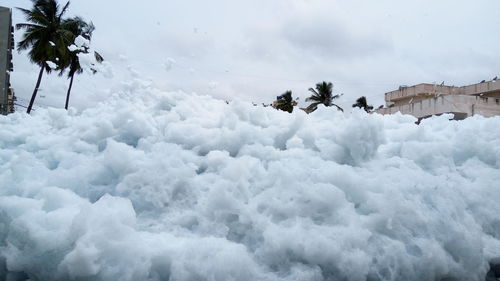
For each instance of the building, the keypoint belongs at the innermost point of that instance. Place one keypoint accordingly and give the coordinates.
(7, 96)
(425, 100)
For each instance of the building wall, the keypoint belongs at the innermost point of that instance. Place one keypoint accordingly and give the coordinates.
(424, 100)
(461, 105)
(485, 88)
(420, 92)
(6, 46)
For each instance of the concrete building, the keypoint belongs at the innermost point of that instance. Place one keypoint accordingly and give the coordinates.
(7, 96)
(425, 100)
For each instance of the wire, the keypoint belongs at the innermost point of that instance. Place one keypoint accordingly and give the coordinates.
(20, 105)
(255, 76)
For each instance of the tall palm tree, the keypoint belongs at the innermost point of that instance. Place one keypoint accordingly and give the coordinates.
(323, 94)
(72, 62)
(362, 103)
(46, 35)
(285, 102)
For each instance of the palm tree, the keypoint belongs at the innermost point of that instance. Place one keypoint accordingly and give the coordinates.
(285, 102)
(78, 27)
(323, 94)
(362, 103)
(46, 35)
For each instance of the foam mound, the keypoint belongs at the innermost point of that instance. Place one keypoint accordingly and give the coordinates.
(170, 186)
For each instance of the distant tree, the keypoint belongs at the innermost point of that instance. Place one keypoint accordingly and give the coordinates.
(362, 103)
(71, 62)
(323, 94)
(285, 102)
(46, 35)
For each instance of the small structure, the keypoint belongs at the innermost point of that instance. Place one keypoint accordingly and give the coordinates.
(425, 100)
(7, 96)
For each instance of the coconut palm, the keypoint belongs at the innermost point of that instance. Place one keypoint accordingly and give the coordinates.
(285, 102)
(78, 27)
(362, 103)
(323, 94)
(46, 35)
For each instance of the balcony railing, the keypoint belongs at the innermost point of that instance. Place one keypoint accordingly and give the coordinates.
(433, 90)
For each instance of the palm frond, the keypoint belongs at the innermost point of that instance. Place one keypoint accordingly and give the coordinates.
(63, 10)
(26, 12)
(98, 57)
(34, 16)
(313, 91)
(311, 108)
(88, 30)
(314, 97)
(338, 107)
(27, 26)
(31, 36)
(337, 96)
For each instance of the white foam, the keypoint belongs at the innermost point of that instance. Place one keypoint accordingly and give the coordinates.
(169, 186)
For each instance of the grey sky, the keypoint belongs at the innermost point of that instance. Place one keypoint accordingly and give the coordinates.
(255, 50)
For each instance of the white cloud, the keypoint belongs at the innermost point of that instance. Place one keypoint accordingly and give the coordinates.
(259, 49)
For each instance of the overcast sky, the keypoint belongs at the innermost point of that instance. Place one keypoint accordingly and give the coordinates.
(255, 50)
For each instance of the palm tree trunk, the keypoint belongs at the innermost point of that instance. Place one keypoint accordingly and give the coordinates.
(69, 91)
(36, 90)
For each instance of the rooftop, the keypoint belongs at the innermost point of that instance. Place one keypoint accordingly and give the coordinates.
(427, 90)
